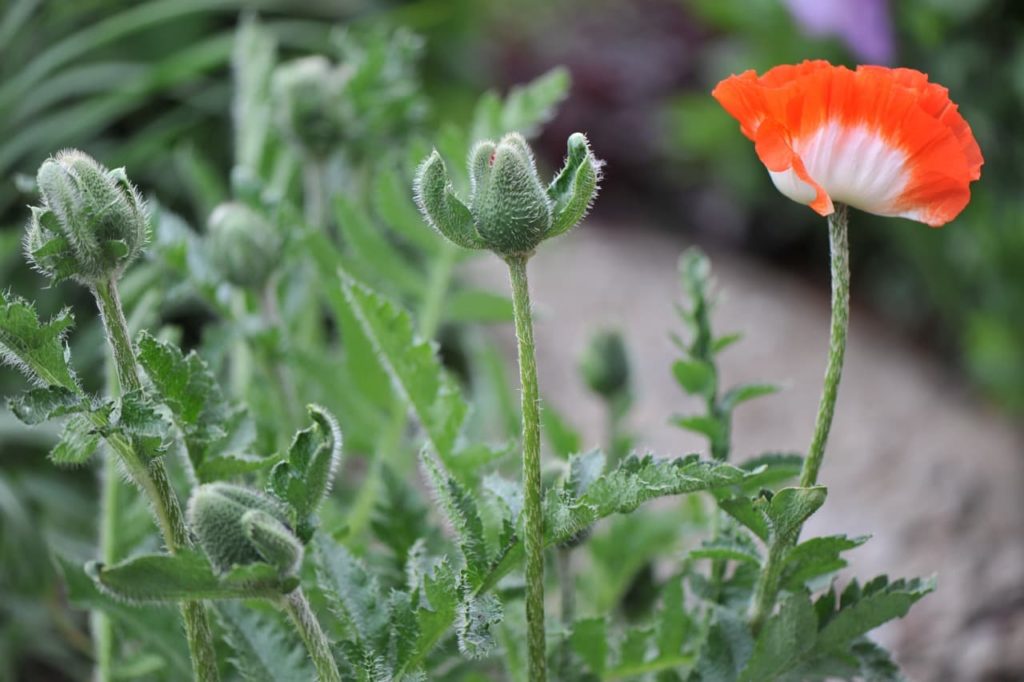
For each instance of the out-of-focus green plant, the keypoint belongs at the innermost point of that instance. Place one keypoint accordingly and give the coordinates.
(318, 283)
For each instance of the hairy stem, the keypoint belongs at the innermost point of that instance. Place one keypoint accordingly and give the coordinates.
(837, 344)
(152, 478)
(533, 542)
(297, 607)
(767, 588)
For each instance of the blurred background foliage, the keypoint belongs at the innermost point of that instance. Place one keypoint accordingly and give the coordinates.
(148, 85)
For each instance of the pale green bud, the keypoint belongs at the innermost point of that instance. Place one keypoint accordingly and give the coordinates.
(605, 365)
(92, 222)
(238, 526)
(509, 211)
(243, 245)
(308, 95)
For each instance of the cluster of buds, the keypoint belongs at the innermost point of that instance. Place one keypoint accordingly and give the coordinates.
(92, 222)
(244, 245)
(310, 110)
(509, 211)
(238, 526)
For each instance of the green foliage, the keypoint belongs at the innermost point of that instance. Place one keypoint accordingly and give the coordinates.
(326, 287)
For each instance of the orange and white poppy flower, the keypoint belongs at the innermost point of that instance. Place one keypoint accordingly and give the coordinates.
(883, 140)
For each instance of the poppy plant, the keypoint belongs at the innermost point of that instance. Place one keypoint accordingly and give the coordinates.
(886, 141)
(883, 140)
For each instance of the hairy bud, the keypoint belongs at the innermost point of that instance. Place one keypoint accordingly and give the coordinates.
(605, 366)
(308, 95)
(244, 246)
(238, 526)
(92, 222)
(509, 211)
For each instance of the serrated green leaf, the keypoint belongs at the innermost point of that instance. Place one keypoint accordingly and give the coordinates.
(695, 376)
(353, 593)
(785, 638)
(816, 557)
(36, 349)
(413, 366)
(180, 577)
(878, 603)
(461, 511)
(185, 384)
(264, 647)
(78, 441)
(439, 598)
(635, 481)
(474, 619)
(726, 650)
(590, 641)
(305, 476)
(42, 404)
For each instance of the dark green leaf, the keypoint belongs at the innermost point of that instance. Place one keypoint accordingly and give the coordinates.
(816, 557)
(784, 639)
(36, 349)
(264, 647)
(461, 510)
(695, 376)
(178, 577)
(879, 602)
(741, 394)
(590, 641)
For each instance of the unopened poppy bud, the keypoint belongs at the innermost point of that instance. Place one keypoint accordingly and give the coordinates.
(244, 246)
(308, 94)
(238, 526)
(92, 222)
(510, 207)
(605, 365)
(509, 211)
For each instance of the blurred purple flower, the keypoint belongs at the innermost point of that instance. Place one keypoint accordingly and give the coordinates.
(864, 25)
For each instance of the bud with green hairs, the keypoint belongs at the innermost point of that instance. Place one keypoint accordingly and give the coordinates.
(245, 246)
(511, 212)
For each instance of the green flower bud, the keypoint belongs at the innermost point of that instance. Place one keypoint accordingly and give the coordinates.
(244, 246)
(238, 526)
(509, 212)
(308, 95)
(605, 365)
(92, 222)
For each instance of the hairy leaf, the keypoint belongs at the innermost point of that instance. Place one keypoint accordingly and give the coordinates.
(42, 404)
(264, 647)
(461, 511)
(183, 576)
(413, 366)
(352, 591)
(36, 349)
(785, 638)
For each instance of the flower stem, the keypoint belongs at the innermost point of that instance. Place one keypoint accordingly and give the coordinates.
(532, 512)
(297, 607)
(767, 587)
(837, 343)
(152, 477)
